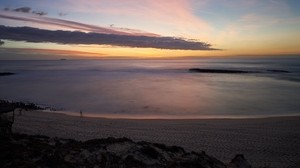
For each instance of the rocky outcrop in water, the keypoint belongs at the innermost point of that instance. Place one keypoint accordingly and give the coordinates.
(231, 71)
(42, 151)
(200, 70)
(6, 73)
(278, 71)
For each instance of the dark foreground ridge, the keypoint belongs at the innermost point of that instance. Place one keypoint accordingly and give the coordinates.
(21, 150)
(6, 73)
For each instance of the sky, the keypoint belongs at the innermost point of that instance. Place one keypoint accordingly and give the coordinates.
(45, 29)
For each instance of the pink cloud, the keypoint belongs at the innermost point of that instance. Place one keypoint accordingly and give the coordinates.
(177, 15)
(73, 25)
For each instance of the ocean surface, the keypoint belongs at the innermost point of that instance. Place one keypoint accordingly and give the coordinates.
(157, 88)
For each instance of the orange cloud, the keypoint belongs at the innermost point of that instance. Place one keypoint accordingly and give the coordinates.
(54, 52)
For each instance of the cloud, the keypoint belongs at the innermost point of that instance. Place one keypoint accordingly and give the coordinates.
(30, 34)
(174, 17)
(61, 14)
(26, 10)
(76, 25)
(23, 9)
(56, 52)
(46, 54)
(40, 13)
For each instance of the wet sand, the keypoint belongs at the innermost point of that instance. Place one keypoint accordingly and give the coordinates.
(272, 142)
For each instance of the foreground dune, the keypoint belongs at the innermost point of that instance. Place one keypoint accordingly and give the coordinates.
(270, 142)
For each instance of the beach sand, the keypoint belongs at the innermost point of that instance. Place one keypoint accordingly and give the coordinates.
(271, 142)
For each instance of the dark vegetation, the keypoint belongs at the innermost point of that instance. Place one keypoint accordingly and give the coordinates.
(7, 114)
(6, 106)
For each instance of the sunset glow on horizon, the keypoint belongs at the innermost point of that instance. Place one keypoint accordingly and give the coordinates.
(148, 29)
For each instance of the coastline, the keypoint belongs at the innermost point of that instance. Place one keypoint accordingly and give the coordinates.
(170, 117)
(271, 141)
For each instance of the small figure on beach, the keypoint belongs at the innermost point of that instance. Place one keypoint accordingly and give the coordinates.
(80, 113)
(20, 111)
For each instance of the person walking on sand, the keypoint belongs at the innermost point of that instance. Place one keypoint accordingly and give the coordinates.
(80, 113)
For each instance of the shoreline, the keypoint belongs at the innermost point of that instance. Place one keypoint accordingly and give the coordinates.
(272, 141)
(127, 117)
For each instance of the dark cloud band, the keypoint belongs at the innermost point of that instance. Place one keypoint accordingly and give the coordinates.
(30, 34)
(76, 25)
(26, 10)
(23, 9)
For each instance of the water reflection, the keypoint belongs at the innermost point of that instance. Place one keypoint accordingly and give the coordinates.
(153, 89)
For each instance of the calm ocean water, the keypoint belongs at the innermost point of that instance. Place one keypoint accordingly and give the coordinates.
(157, 88)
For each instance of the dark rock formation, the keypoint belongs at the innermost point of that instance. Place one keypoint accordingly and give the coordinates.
(200, 70)
(6, 73)
(41, 151)
(239, 161)
(278, 71)
(230, 71)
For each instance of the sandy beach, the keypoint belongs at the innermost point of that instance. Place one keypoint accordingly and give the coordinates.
(271, 142)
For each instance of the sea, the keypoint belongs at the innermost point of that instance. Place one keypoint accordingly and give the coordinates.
(157, 88)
